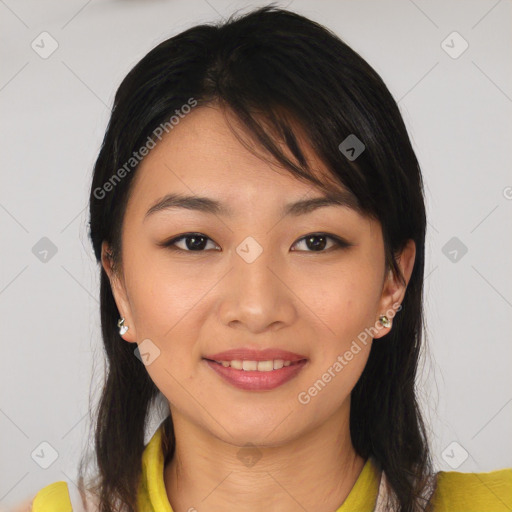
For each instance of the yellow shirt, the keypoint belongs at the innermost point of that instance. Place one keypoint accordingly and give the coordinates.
(455, 491)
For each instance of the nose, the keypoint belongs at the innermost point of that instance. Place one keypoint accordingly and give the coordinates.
(257, 295)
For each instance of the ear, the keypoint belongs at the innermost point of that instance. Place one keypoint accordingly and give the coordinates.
(393, 290)
(119, 292)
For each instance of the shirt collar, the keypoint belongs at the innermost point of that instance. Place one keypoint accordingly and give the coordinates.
(153, 495)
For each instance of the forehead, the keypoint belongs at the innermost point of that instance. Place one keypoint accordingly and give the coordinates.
(202, 156)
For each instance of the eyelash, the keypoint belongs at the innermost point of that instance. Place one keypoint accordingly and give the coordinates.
(339, 242)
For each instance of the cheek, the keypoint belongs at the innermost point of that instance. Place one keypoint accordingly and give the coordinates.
(329, 388)
(170, 305)
(168, 312)
(162, 296)
(346, 303)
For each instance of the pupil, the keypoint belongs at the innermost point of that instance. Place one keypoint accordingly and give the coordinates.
(194, 239)
(316, 245)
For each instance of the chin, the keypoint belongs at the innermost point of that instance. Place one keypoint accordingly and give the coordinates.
(262, 430)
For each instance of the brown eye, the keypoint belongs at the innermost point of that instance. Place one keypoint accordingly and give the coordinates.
(316, 242)
(190, 242)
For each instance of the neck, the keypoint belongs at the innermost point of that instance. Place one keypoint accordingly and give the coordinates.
(315, 471)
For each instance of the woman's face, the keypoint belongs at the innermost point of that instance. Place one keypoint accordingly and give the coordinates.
(253, 278)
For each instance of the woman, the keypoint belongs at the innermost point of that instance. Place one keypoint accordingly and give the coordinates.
(257, 210)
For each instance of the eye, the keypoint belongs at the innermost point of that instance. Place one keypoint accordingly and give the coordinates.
(191, 242)
(318, 241)
(196, 242)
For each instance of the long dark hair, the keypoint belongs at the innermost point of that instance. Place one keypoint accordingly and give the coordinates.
(275, 70)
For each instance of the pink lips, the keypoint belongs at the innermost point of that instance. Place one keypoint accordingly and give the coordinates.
(256, 380)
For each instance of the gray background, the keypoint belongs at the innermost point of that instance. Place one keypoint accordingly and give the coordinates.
(54, 113)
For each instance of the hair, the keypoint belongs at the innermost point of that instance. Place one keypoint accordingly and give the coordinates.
(277, 72)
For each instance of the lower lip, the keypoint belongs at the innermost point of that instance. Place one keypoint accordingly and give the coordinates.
(255, 380)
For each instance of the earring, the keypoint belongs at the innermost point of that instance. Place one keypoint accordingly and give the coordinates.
(384, 320)
(122, 328)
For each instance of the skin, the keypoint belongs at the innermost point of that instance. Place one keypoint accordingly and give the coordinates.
(191, 304)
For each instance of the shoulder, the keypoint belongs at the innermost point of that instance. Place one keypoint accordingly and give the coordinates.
(54, 496)
(468, 492)
(61, 497)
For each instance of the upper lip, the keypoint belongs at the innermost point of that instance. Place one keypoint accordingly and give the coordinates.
(248, 354)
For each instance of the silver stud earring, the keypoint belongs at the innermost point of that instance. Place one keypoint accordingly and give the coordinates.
(122, 328)
(384, 320)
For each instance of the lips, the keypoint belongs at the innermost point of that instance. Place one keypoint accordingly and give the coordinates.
(256, 370)
(255, 355)
(257, 380)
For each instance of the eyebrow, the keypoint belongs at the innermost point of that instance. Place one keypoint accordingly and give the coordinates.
(341, 198)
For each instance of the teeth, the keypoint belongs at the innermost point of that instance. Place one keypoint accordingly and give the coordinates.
(251, 366)
(278, 363)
